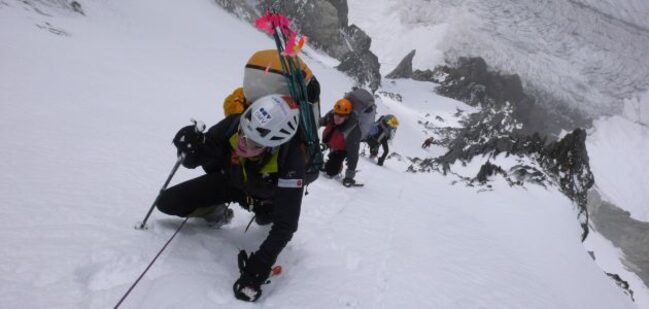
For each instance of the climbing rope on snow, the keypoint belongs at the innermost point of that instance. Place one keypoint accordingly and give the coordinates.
(150, 264)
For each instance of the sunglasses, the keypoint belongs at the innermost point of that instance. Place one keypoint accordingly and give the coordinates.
(252, 145)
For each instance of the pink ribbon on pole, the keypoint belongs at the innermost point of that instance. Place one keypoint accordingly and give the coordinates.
(269, 21)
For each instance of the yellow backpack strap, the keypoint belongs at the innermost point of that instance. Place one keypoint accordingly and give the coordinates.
(235, 103)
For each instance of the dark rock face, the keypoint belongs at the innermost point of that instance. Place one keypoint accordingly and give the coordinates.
(358, 40)
(342, 9)
(316, 19)
(366, 70)
(360, 62)
(404, 69)
(487, 170)
(568, 158)
(470, 81)
(495, 131)
(358, 66)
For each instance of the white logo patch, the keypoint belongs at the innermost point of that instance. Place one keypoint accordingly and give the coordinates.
(263, 116)
(290, 183)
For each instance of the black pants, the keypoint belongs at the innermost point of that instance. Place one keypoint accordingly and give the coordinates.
(207, 190)
(334, 164)
(374, 147)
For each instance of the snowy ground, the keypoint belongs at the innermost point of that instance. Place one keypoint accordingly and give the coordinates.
(88, 106)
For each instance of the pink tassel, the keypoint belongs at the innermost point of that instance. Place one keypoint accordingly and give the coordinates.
(270, 21)
(264, 23)
(290, 45)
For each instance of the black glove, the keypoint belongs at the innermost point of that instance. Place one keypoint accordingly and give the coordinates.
(253, 274)
(380, 162)
(189, 141)
(348, 182)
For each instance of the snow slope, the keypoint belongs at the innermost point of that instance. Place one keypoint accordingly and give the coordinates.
(86, 119)
(619, 156)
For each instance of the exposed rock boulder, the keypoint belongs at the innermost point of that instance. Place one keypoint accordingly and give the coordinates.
(404, 69)
(488, 169)
(342, 9)
(360, 62)
(358, 40)
(363, 67)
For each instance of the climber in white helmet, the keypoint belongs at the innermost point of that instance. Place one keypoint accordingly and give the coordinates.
(255, 160)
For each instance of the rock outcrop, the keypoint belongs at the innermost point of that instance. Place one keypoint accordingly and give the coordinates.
(404, 69)
(470, 81)
(502, 127)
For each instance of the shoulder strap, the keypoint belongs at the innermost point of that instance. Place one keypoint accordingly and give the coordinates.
(233, 125)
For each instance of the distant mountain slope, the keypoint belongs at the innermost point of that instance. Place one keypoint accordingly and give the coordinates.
(589, 54)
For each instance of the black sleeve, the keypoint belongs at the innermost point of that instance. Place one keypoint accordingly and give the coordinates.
(352, 142)
(313, 90)
(286, 203)
(327, 117)
(386, 149)
(217, 146)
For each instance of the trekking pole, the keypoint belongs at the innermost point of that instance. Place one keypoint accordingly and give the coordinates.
(181, 157)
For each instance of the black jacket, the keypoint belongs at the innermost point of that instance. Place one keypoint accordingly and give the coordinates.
(283, 189)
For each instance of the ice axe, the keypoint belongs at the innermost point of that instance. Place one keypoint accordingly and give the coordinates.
(142, 226)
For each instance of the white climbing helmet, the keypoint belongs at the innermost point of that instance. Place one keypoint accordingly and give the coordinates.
(271, 120)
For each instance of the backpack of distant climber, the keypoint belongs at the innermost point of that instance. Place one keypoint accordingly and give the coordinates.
(363, 109)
